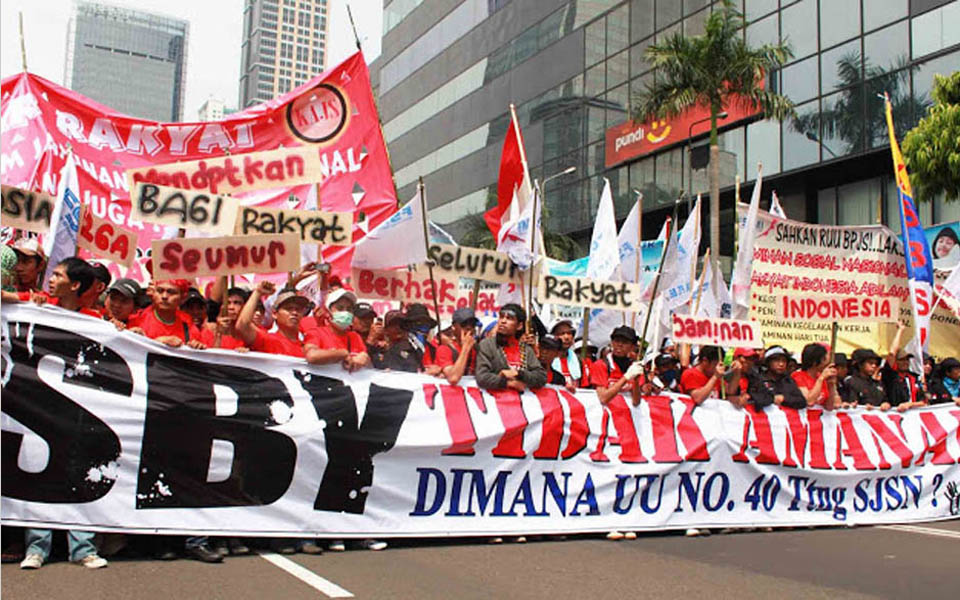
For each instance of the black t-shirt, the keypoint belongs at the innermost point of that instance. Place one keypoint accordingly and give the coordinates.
(865, 390)
(763, 388)
(402, 356)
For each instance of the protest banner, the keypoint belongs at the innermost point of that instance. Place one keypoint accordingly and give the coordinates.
(104, 239)
(588, 293)
(475, 263)
(25, 210)
(406, 285)
(944, 241)
(716, 332)
(175, 207)
(842, 309)
(332, 118)
(804, 259)
(311, 226)
(132, 433)
(231, 255)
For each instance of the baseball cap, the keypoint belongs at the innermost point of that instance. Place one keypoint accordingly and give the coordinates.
(626, 333)
(562, 323)
(774, 352)
(363, 309)
(289, 295)
(665, 359)
(339, 293)
(464, 316)
(29, 246)
(746, 353)
(863, 355)
(394, 317)
(193, 295)
(127, 287)
(550, 342)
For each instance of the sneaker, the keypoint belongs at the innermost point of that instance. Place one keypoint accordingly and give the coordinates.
(495, 540)
(32, 561)
(221, 549)
(311, 548)
(236, 547)
(337, 546)
(203, 553)
(92, 561)
(520, 539)
(373, 545)
(692, 532)
(630, 535)
(614, 536)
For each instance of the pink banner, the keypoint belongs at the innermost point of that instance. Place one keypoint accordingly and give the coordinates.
(333, 115)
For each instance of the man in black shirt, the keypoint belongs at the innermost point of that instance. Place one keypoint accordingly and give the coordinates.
(775, 386)
(401, 354)
(864, 385)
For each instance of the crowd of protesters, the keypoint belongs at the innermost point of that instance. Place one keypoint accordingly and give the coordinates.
(510, 352)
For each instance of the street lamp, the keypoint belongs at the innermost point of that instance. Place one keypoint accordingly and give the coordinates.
(720, 116)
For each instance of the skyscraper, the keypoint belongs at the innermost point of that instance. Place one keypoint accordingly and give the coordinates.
(284, 45)
(130, 60)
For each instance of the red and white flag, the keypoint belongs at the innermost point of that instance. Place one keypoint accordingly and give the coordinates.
(514, 186)
(949, 292)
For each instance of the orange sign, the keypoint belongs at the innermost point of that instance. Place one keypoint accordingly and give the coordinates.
(102, 238)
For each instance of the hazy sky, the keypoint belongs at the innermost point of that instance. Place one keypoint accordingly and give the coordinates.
(213, 54)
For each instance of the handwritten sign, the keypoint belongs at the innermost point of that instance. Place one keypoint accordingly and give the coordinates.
(590, 293)
(28, 211)
(284, 167)
(151, 203)
(234, 255)
(102, 238)
(863, 309)
(716, 332)
(406, 285)
(312, 226)
(475, 263)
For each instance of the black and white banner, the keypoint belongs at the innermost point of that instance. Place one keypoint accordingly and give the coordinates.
(106, 430)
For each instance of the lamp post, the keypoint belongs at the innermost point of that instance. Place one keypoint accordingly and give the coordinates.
(720, 116)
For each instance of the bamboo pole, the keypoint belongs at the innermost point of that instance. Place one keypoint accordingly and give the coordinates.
(703, 273)
(426, 242)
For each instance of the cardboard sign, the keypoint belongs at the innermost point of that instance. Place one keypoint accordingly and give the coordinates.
(589, 293)
(102, 238)
(284, 167)
(234, 255)
(863, 309)
(475, 263)
(151, 203)
(716, 332)
(311, 226)
(406, 285)
(27, 211)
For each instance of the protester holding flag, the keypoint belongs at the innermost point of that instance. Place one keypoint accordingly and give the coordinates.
(619, 369)
(905, 389)
(504, 363)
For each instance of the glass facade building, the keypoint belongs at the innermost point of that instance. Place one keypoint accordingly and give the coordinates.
(284, 45)
(129, 60)
(450, 69)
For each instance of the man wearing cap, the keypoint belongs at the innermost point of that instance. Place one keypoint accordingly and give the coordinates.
(30, 264)
(904, 388)
(164, 321)
(664, 377)
(737, 377)
(288, 309)
(619, 369)
(945, 385)
(121, 301)
(864, 385)
(702, 380)
(335, 342)
(223, 332)
(817, 377)
(502, 362)
(363, 318)
(195, 305)
(455, 356)
(419, 323)
(775, 385)
(550, 348)
(568, 361)
(401, 353)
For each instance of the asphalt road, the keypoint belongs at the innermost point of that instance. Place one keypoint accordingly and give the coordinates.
(870, 562)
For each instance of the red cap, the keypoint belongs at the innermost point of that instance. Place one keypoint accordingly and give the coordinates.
(745, 352)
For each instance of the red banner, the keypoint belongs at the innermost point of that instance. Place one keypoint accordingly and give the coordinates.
(630, 140)
(333, 116)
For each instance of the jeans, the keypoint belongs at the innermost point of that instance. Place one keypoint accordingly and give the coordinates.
(80, 543)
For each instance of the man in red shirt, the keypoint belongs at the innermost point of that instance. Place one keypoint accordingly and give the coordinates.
(456, 357)
(121, 303)
(335, 342)
(816, 377)
(69, 280)
(568, 362)
(223, 333)
(702, 380)
(163, 320)
(619, 370)
(288, 309)
(30, 263)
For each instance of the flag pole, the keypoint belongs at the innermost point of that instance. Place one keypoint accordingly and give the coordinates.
(356, 37)
(736, 222)
(426, 243)
(533, 266)
(703, 273)
(23, 47)
(584, 339)
(656, 285)
(636, 267)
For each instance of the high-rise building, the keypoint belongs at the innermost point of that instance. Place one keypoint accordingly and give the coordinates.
(449, 70)
(284, 45)
(130, 60)
(213, 109)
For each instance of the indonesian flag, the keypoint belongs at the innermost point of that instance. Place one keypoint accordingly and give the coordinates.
(514, 188)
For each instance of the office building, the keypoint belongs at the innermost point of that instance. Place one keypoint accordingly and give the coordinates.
(130, 60)
(213, 109)
(284, 45)
(450, 68)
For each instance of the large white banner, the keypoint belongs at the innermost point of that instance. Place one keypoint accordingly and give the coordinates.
(106, 430)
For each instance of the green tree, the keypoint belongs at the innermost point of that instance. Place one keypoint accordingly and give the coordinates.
(714, 71)
(932, 148)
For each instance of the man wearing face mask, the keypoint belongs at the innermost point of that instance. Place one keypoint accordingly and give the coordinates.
(419, 323)
(335, 342)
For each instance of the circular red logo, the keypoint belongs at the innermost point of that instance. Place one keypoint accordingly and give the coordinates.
(318, 115)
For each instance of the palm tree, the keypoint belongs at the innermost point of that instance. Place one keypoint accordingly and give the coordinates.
(713, 71)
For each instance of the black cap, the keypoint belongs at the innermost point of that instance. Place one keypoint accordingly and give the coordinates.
(861, 355)
(418, 313)
(664, 360)
(549, 342)
(840, 359)
(193, 295)
(563, 323)
(624, 333)
(464, 316)
(363, 309)
(127, 287)
(395, 317)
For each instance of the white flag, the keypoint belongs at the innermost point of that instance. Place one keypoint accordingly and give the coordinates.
(664, 231)
(629, 242)
(775, 208)
(743, 268)
(716, 302)
(395, 243)
(61, 241)
(949, 291)
(517, 233)
(604, 261)
(679, 264)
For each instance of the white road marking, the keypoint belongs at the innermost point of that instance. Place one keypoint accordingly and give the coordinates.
(306, 575)
(924, 530)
